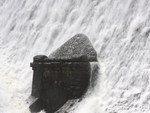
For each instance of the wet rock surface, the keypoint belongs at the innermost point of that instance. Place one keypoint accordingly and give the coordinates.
(63, 76)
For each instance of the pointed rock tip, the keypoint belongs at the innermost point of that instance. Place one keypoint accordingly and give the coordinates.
(78, 48)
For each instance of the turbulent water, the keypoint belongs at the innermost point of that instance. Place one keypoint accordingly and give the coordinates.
(118, 29)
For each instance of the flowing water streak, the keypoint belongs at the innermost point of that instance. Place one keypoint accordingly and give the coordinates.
(118, 29)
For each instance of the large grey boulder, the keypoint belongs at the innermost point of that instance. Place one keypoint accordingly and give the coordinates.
(78, 48)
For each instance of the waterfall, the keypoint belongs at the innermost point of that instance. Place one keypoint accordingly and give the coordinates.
(118, 29)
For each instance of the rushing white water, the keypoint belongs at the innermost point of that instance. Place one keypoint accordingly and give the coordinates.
(118, 29)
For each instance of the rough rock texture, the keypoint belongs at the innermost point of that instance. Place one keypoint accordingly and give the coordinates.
(78, 48)
(63, 76)
(54, 83)
(64, 81)
(72, 104)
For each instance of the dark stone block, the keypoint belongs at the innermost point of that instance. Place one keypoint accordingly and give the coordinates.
(54, 97)
(36, 106)
(39, 58)
(37, 81)
(64, 75)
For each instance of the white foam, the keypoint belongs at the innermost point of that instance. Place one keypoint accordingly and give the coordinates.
(119, 31)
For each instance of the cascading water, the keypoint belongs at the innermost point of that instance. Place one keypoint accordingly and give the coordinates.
(118, 29)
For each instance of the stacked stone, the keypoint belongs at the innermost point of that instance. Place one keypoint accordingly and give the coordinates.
(63, 75)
